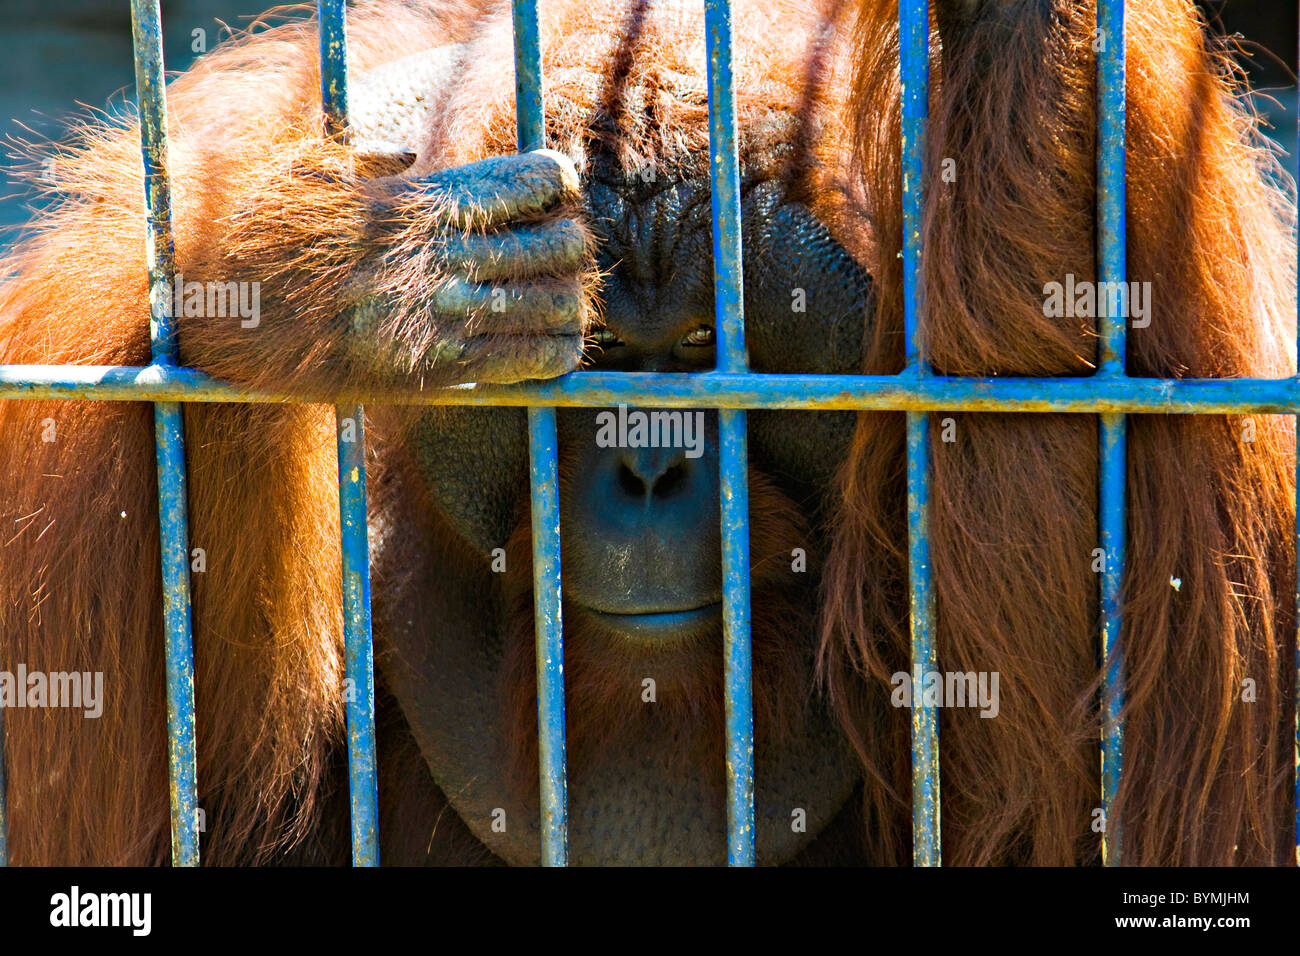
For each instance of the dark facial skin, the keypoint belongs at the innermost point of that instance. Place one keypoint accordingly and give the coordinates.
(641, 542)
(655, 253)
(429, 255)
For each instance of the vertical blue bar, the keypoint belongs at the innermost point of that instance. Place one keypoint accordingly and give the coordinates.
(363, 783)
(168, 437)
(914, 50)
(363, 779)
(724, 171)
(914, 67)
(542, 456)
(1112, 253)
(728, 293)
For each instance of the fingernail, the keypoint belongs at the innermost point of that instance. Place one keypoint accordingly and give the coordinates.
(568, 172)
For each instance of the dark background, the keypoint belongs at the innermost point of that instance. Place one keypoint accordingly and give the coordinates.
(56, 54)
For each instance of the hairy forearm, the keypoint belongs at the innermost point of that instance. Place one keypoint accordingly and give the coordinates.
(376, 283)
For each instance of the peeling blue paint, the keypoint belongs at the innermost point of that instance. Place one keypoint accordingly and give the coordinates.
(1110, 394)
(169, 438)
(1112, 255)
(736, 648)
(530, 121)
(551, 740)
(358, 646)
(905, 392)
(914, 46)
(729, 308)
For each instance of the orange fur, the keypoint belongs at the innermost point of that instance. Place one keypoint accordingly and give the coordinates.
(1208, 776)
(260, 194)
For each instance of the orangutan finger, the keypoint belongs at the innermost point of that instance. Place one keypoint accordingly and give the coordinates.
(536, 249)
(554, 306)
(504, 359)
(499, 189)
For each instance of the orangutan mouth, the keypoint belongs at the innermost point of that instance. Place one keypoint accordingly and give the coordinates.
(659, 625)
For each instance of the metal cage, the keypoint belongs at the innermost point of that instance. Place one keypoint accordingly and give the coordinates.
(1109, 394)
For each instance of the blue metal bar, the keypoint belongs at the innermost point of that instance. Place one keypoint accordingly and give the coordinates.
(914, 50)
(729, 309)
(358, 651)
(363, 781)
(334, 65)
(551, 740)
(731, 389)
(1112, 247)
(724, 173)
(530, 115)
(169, 437)
(914, 67)
(1112, 329)
(1114, 456)
(736, 648)
(1134, 396)
(543, 450)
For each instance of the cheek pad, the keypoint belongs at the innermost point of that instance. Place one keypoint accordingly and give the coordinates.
(807, 300)
(801, 451)
(807, 304)
(475, 464)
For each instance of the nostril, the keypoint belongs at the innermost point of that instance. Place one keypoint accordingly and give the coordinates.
(668, 483)
(652, 475)
(630, 482)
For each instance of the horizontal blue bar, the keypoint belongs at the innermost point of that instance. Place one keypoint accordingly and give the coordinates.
(1154, 396)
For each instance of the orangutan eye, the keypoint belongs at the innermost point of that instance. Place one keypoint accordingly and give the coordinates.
(606, 339)
(701, 337)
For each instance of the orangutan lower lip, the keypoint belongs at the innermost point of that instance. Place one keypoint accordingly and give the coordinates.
(659, 624)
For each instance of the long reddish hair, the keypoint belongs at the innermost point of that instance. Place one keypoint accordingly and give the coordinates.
(1209, 577)
(1208, 773)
